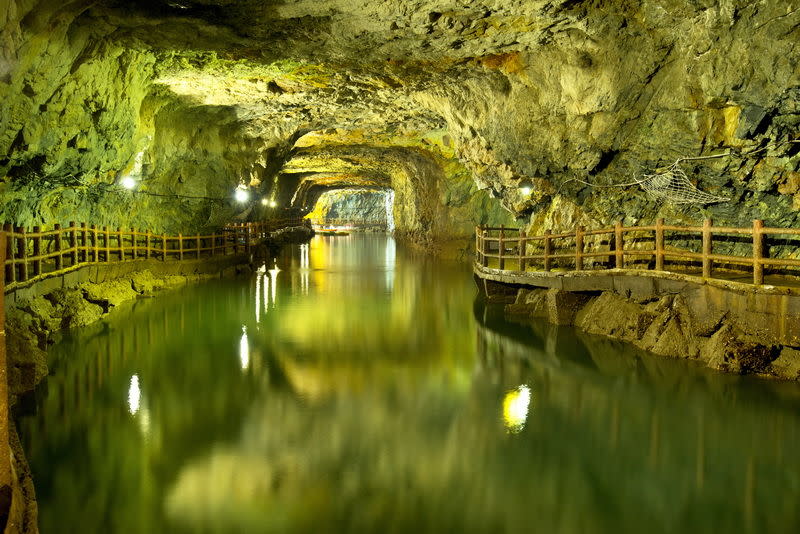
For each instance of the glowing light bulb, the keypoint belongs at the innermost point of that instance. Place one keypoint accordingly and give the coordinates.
(128, 182)
(272, 203)
(526, 187)
(264, 201)
(241, 194)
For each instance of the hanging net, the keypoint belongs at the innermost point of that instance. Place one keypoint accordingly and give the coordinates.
(672, 185)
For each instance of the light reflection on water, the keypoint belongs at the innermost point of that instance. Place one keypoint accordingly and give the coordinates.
(373, 397)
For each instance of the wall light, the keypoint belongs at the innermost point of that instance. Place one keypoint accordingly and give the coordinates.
(241, 194)
(526, 187)
(128, 182)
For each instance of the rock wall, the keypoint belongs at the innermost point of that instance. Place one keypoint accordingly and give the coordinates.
(665, 325)
(193, 98)
(609, 95)
(358, 205)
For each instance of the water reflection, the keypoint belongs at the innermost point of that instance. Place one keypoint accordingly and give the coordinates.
(134, 395)
(244, 349)
(515, 408)
(368, 406)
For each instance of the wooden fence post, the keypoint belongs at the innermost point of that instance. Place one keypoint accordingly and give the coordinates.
(180, 247)
(84, 244)
(758, 252)
(707, 248)
(121, 244)
(197, 240)
(95, 252)
(579, 248)
(134, 244)
(477, 241)
(247, 229)
(8, 245)
(73, 242)
(147, 245)
(107, 243)
(501, 248)
(548, 244)
(22, 252)
(521, 248)
(485, 245)
(164, 247)
(659, 244)
(619, 246)
(37, 251)
(60, 257)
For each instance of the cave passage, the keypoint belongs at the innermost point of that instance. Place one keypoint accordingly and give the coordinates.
(354, 209)
(353, 387)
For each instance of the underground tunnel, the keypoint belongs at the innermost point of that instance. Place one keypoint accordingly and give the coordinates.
(401, 266)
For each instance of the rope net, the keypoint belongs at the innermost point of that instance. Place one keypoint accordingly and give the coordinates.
(672, 185)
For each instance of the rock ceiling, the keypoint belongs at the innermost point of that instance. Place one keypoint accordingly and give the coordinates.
(369, 92)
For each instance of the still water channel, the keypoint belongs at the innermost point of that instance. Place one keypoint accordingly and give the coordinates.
(357, 388)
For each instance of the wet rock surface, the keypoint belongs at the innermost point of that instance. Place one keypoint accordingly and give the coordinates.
(663, 326)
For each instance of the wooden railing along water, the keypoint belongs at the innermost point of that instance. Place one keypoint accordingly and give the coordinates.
(39, 253)
(657, 247)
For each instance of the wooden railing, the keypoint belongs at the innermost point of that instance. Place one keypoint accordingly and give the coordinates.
(647, 247)
(38, 253)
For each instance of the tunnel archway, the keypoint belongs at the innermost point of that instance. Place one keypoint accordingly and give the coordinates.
(353, 208)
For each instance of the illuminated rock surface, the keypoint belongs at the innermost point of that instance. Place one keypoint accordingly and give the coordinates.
(193, 96)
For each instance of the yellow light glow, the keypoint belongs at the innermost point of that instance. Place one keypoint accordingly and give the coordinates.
(264, 201)
(525, 190)
(515, 408)
(272, 203)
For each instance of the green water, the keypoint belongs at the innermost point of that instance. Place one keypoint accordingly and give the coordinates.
(361, 389)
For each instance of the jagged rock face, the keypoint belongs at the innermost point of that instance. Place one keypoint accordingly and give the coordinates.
(193, 97)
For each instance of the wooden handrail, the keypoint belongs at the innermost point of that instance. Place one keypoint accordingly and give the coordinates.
(493, 243)
(41, 252)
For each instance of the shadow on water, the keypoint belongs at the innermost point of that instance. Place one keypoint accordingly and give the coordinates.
(352, 387)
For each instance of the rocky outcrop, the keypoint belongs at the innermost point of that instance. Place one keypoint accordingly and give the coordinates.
(664, 326)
